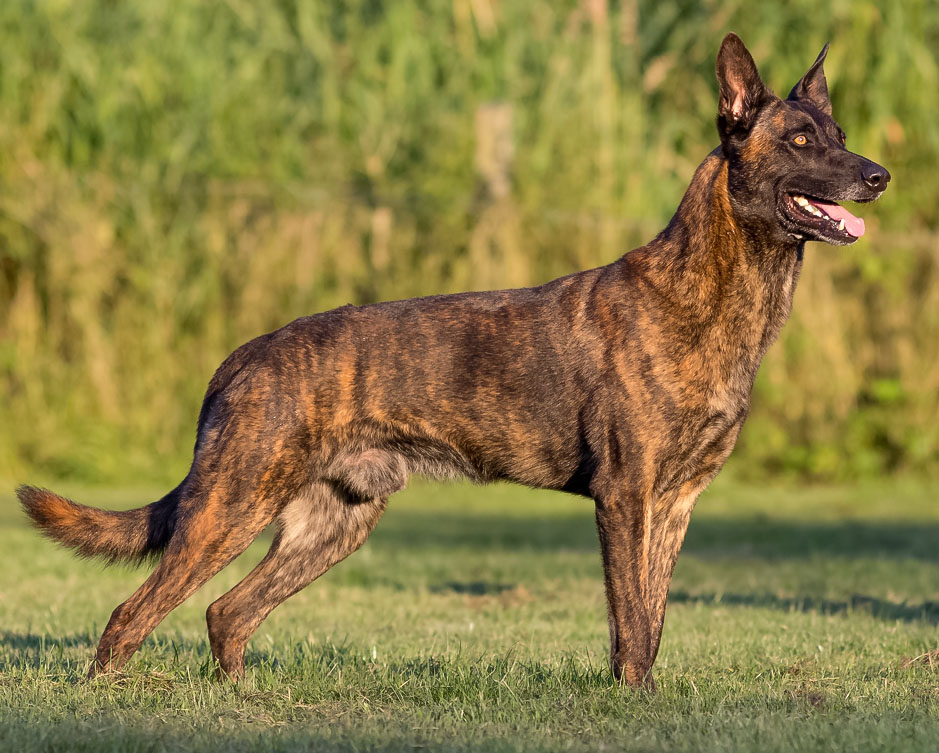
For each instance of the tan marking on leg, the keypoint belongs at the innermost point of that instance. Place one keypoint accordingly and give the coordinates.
(201, 546)
(316, 530)
(673, 513)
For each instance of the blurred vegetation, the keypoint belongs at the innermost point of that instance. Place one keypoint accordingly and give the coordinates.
(177, 177)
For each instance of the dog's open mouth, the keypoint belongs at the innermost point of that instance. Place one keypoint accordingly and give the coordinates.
(824, 219)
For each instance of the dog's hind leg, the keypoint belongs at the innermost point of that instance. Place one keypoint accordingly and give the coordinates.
(214, 527)
(316, 530)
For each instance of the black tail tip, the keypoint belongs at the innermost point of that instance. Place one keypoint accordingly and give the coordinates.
(35, 502)
(28, 495)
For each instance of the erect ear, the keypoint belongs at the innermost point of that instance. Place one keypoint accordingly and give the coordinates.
(812, 87)
(742, 91)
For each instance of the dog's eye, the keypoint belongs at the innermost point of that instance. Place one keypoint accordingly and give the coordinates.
(800, 140)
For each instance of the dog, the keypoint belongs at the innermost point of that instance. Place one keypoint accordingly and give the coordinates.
(627, 384)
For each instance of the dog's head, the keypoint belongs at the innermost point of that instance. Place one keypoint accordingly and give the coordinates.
(787, 160)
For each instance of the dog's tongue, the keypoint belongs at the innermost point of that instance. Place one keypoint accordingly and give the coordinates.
(853, 225)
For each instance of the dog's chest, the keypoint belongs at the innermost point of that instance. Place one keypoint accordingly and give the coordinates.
(695, 437)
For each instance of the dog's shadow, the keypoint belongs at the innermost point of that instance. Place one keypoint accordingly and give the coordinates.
(881, 609)
(13, 641)
(709, 537)
(72, 654)
(36, 651)
(472, 588)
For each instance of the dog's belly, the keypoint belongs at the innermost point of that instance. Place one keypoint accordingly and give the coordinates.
(376, 460)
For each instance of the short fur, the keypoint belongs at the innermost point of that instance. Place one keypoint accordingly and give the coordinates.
(627, 384)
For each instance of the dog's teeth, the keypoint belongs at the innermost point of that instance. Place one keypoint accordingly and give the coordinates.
(801, 201)
(841, 224)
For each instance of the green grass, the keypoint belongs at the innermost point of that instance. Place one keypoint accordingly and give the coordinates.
(474, 619)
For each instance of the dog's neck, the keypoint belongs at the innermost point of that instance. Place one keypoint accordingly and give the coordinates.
(706, 236)
(717, 278)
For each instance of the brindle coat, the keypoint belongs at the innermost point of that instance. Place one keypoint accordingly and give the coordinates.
(628, 384)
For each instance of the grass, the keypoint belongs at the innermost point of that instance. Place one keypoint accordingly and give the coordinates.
(473, 619)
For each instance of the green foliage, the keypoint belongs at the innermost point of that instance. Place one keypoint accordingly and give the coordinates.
(799, 620)
(177, 177)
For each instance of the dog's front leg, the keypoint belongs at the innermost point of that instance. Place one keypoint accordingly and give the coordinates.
(623, 525)
(670, 517)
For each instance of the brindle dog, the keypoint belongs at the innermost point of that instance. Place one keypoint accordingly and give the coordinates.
(627, 384)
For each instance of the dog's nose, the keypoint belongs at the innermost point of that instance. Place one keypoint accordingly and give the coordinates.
(875, 176)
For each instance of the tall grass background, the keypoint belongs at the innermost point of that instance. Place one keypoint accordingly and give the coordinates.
(179, 176)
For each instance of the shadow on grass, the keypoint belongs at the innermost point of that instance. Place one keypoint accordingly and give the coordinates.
(708, 537)
(33, 650)
(473, 588)
(163, 661)
(610, 721)
(882, 609)
(320, 729)
(33, 642)
(41, 652)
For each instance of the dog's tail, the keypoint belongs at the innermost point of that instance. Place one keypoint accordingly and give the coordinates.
(125, 535)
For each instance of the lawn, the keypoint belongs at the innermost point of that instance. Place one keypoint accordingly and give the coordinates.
(799, 619)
